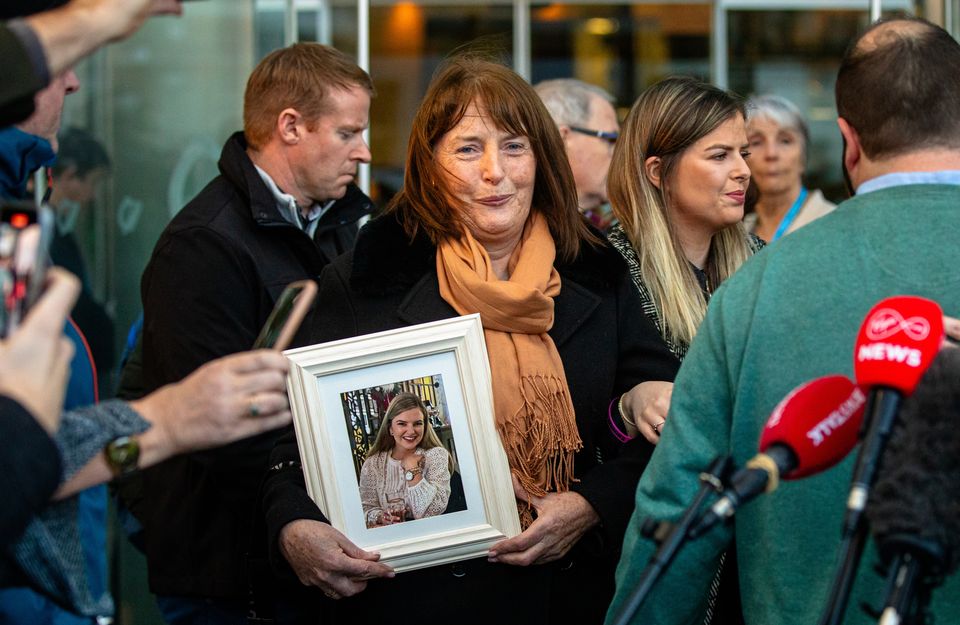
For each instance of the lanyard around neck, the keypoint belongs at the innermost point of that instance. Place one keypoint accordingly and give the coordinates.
(791, 215)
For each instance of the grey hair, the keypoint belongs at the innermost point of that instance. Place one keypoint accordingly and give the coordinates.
(568, 99)
(780, 110)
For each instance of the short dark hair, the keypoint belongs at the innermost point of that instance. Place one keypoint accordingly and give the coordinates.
(300, 76)
(81, 151)
(514, 106)
(898, 87)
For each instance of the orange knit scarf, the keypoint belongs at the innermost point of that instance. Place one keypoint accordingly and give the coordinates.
(534, 413)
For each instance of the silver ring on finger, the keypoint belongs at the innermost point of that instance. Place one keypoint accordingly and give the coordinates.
(253, 409)
(656, 428)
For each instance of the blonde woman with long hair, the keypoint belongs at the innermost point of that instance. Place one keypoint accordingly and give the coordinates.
(677, 185)
(408, 462)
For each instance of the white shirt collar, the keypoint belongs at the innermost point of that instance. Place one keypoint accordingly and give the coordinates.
(902, 178)
(290, 210)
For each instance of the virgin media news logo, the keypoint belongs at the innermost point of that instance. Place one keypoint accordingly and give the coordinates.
(888, 322)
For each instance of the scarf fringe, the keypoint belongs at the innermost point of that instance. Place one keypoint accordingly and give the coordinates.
(534, 413)
(541, 439)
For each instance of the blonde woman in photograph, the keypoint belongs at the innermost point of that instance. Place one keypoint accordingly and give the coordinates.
(407, 470)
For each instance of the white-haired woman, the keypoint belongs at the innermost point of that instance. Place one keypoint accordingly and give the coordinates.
(778, 137)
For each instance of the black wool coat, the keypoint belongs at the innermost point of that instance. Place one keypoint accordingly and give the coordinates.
(210, 285)
(607, 346)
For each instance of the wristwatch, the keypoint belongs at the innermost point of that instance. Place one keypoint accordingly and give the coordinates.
(122, 455)
(409, 474)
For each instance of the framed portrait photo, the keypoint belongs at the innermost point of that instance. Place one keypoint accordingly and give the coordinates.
(422, 394)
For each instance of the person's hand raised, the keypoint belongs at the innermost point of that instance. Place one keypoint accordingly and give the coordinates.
(223, 401)
(35, 359)
(645, 408)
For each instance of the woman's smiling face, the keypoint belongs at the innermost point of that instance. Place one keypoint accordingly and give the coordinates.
(406, 428)
(491, 172)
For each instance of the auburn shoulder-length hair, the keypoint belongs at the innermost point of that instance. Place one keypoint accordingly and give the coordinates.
(666, 119)
(427, 202)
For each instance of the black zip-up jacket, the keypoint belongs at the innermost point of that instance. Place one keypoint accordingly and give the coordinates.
(214, 276)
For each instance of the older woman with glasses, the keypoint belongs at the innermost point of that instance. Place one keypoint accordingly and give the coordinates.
(487, 222)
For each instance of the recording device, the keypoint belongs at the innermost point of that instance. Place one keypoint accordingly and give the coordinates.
(25, 235)
(897, 342)
(914, 513)
(810, 430)
(287, 315)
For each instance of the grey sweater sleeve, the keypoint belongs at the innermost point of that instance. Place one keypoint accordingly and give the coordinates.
(84, 432)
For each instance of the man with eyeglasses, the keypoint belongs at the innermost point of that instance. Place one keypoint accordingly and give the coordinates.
(588, 124)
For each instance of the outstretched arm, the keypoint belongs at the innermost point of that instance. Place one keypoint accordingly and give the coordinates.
(35, 359)
(69, 33)
(225, 400)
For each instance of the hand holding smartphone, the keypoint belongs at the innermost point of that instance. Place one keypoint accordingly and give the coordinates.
(287, 315)
(25, 235)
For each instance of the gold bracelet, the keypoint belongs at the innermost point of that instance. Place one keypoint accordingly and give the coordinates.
(623, 415)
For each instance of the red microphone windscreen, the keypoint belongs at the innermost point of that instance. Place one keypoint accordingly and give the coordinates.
(898, 340)
(819, 421)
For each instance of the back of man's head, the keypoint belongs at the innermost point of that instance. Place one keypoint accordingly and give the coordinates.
(569, 99)
(298, 77)
(899, 88)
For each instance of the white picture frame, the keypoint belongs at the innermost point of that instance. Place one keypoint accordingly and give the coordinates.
(453, 349)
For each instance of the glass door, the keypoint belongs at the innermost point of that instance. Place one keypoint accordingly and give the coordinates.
(793, 48)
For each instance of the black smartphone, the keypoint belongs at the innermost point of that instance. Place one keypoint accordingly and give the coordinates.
(287, 315)
(25, 235)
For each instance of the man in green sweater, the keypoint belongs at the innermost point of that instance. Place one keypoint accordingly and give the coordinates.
(792, 314)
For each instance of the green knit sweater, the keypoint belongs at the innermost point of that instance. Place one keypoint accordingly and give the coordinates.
(789, 315)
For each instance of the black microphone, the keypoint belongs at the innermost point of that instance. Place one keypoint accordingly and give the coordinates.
(914, 513)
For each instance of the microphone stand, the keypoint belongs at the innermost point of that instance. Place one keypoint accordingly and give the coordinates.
(904, 572)
(915, 569)
(671, 537)
(884, 403)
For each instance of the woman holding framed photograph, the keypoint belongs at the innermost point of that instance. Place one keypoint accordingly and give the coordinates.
(407, 470)
(487, 222)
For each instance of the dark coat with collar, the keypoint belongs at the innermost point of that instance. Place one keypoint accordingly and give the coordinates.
(607, 346)
(214, 276)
